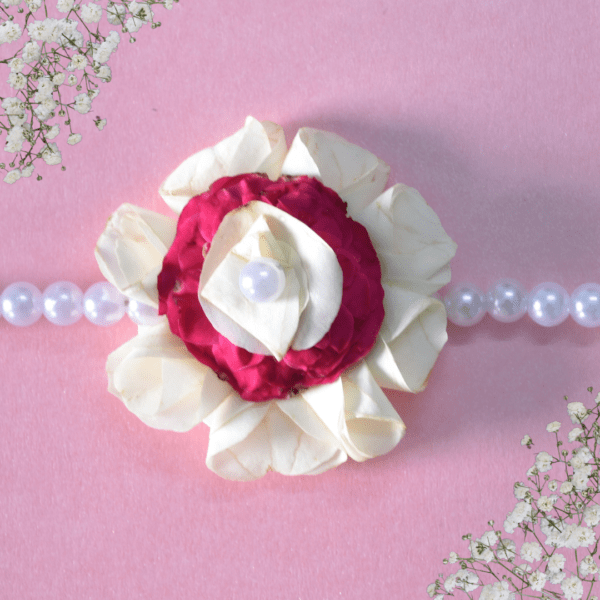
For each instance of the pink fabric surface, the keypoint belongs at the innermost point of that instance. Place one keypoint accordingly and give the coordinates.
(491, 111)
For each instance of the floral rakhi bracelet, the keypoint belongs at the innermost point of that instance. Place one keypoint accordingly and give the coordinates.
(293, 288)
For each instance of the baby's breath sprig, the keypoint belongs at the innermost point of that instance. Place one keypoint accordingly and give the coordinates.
(555, 515)
(58, 71)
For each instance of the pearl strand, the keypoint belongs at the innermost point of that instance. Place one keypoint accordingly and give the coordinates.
(63, 303)
(547, 304)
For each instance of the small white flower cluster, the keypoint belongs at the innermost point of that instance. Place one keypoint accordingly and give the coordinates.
(554, 521)
(59, 54)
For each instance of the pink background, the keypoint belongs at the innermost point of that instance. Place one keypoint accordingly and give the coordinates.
(491, 110)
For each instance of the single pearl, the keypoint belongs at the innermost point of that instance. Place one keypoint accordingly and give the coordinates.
(548, 304)
(585, 305)
(143, 314)
(507, 300)
(465, 304)
(262, 280)
(103, 304)
(21, 304)
(63, 303)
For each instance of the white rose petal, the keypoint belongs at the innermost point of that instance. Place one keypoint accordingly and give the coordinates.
(256, 148)
(357, 175)
(161, 382)
(131, 249)
(275, 325)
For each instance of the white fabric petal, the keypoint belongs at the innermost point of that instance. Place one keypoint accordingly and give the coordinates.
(274, 323)
(259, 147)
(160, 382)
(358, 413)
(411, 337)
(356, 174)
(248, 439)
(412, 246)
(131, 249)
(324, 277)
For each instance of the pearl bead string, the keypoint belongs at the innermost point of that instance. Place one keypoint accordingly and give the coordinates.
(548, 304)
(63, 303)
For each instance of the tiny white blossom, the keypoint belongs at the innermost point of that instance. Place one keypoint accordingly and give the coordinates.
(17, 81)
(566, 487)
(69, 36)
(553, 427)
(479, 551)
(8, 3)
(44, 90)
(545, 503)
(34, 5)
(93, 93)
(581, 537)
(104, 73)
(74, 138)
(537, 581)
(168, 4)
(506, 550)
(14, 139)
(12, 176)
(91, 13)
(10, 32)
(16, 64)
(556, 563)
(100, 124)
(526, 440)
(52, 132)
(467, 580)
(450, 582)
(78, 62)
(543, 462)
(58, 79)
(577, 411)
(103, 52)
(31, 52)
(580, 480)
(591, 515)
(113, 39)
(15, 110)
(588, 566)
(453, 558)
(496, 591)
(72, 79)
(584, 453)
(27, 171)
(556, 577)
(531, 551)
(65, 6)
(553, 485)
(83, 104)
(44, 110)
(51, 154)
(431, 590)
(115, 13)
(575, 433)
(520, 490)
(597, 400)
(572, 588)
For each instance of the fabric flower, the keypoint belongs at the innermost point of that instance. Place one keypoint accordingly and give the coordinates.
(295, 389)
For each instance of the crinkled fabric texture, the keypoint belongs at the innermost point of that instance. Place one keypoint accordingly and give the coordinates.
(257, 377)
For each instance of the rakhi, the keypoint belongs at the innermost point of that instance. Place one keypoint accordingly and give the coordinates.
(291, 289)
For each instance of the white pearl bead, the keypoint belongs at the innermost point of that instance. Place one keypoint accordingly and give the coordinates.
(465, 304)
(262, 280)
(21, 304)
(585, 305)
(63, 303)
(143, 314)
(548, 304)
(103, 304)
(507, 300)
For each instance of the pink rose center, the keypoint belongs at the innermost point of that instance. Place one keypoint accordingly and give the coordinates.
(257, 377)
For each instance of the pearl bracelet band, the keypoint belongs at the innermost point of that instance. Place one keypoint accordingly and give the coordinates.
(548, 304)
